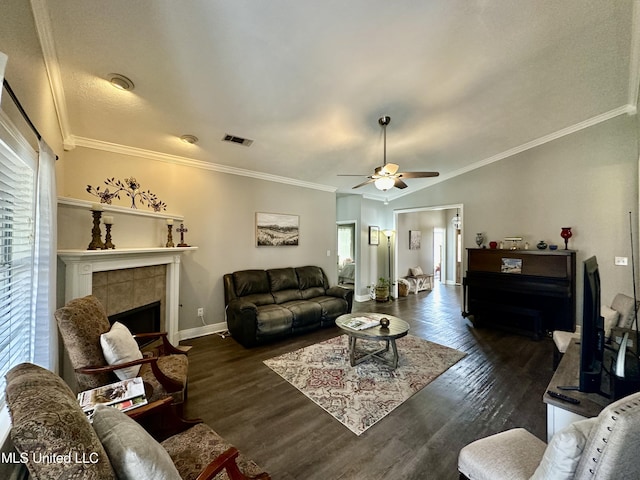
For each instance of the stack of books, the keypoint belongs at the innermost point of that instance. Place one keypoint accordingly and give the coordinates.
(123, 395)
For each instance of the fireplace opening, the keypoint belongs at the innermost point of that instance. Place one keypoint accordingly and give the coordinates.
(140, 320)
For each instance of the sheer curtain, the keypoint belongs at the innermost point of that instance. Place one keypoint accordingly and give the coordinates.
(45, 253)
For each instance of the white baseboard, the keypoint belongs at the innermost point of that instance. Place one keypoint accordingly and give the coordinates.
(362, 298)
(202, 331)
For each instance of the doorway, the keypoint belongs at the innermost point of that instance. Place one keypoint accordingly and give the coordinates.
(438, 249)
(444, 253)
(346, 254)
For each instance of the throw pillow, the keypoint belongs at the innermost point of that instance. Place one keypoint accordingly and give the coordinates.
(415, 271)
(610, 319)
(119, 346)
(563, 453)
(134, 454)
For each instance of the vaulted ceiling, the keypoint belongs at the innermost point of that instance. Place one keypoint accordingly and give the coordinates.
(464, 82)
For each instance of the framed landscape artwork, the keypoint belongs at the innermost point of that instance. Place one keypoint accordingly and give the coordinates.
(374, 238)
(277, 229)
(415, 237)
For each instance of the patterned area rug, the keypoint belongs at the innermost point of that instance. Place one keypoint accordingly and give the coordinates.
(360, 396)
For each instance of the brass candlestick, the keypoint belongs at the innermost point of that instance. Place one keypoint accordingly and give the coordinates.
(169, 237)
(107, 238)
(96, 240)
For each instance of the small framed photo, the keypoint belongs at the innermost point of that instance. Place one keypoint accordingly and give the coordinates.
(414, 239)
(511, 265)
(374, 235)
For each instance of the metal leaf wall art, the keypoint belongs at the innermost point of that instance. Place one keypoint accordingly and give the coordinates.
(129, 187)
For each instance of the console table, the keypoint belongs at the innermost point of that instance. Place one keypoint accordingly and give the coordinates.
(523, 290)
(560, 413)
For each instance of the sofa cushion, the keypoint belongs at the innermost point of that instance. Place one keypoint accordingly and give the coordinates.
(119, 346)
(492, 458)
(134, 454)
(47, 419)
(416, 271)
(273, 320)
(286, 296)
(248, 282)
(309, 277)
(313, 292)
(259, 299)
(193, 449)
(625, 306)
(282, 279)
(611, 318)
(563, 453)
(305, 313)
(331, 307)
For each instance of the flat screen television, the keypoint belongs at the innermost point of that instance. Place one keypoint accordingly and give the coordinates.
(592, 337)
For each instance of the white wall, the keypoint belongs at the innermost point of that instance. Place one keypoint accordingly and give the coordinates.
(587, 180)
(219, 212)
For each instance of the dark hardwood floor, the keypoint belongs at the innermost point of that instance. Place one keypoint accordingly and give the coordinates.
(498, 385)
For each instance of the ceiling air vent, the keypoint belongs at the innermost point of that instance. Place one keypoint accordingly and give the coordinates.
(239, 140)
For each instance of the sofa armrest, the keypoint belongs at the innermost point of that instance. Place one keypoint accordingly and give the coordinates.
(340, 292)
(344, 293)
(239, 306)
(242, 321)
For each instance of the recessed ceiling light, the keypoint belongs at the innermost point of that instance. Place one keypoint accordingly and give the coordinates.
(120, 81)
(190, 139)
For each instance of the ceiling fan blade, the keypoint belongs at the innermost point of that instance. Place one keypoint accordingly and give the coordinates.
(371, 180)
(390, 168)
(399, 183)
(418, 174)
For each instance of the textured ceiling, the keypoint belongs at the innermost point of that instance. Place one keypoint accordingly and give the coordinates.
(463, 81)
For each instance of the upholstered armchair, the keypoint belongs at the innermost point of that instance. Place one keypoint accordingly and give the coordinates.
(83, 321)
(54, 439)
(620, 314)
(602, 448)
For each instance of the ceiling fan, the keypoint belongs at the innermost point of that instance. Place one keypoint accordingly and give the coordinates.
(387, 176)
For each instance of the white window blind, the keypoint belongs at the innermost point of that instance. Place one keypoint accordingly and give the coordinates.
(17, 209)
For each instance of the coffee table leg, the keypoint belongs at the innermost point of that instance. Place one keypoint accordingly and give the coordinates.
(352, 350)
(395, 352)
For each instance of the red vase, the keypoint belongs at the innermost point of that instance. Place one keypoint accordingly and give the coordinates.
(566, 234)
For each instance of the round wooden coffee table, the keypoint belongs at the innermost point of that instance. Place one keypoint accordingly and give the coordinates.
(397, 328)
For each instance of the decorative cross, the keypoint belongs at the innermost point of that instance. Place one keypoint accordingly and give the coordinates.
(182, 231)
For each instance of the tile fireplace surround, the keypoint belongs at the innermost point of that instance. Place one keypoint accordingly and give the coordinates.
(82, 264)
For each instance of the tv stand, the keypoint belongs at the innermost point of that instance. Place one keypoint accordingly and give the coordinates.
(560, 413)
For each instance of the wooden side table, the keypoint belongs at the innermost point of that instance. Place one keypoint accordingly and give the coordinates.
(560, 413)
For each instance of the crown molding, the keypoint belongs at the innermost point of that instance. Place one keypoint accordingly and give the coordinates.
(52, 65)
(188, 162)
(616, 112)
(634, 60)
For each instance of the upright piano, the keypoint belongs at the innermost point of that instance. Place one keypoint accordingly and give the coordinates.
(527, 291)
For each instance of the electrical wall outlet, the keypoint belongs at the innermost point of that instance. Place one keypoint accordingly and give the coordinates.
(621, 261)
(201, 312)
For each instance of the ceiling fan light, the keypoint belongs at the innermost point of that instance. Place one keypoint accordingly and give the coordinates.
(384, 183)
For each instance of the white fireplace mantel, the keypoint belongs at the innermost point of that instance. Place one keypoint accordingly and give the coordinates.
(81, 264)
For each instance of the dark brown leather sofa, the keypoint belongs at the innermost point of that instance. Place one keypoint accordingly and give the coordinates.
(263, 305)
